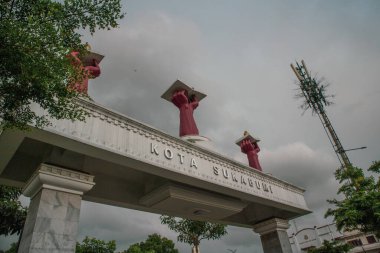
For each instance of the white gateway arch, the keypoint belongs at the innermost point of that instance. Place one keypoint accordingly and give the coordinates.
(115, 160)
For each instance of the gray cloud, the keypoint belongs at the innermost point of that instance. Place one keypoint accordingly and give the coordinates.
(238, 53)
(127, 227)
(243, 67)
(310, 169)
(145, 58)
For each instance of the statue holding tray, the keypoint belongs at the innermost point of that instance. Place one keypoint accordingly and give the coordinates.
(187, 100)
(89, 64)
(249, 146)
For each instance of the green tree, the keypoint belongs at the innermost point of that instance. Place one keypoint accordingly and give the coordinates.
(35, 37)
(154, 244)
(12, 213)
(12, 249)
(193, 232)
(93, 245)
(360, 208)
(331, 247)
(135, 248)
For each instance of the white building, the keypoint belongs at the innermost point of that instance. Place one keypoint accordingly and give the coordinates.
(309, 238)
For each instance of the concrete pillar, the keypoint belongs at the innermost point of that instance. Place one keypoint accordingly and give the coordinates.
(296, 244)
(317, 238)
(273, 235)
(53, 216)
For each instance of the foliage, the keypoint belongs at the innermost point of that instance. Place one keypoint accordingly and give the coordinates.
(135, 248)
(93, 245)
(12, 213)
(360, 209)
(12, 249)
(35, 37)
(331, 247)
(192, 232)
(154, 244)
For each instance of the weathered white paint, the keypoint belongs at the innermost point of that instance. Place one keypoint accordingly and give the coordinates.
(117, 133)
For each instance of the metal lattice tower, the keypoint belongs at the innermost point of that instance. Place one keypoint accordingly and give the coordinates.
(316, 100)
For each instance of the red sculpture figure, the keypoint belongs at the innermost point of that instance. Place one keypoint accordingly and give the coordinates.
(91, 71)
(251, 149)
(186, 107)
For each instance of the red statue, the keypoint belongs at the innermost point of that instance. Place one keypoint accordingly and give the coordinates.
(251, 149)
(90, 71)
(186, 107)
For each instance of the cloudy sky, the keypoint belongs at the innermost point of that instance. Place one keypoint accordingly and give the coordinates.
(238, 53)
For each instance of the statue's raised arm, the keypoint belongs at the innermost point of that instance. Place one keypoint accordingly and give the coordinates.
(186, 99)
(187, 125)
(249, 146)
(90, 67)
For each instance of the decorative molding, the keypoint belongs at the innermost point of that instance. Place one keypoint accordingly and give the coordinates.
(271, 225)
(112, 131)
(56, 178)
(154, 134)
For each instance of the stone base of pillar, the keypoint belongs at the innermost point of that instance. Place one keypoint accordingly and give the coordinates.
(53, 216)
(273, 235)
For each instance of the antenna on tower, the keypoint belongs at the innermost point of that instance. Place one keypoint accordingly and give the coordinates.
(316, 99)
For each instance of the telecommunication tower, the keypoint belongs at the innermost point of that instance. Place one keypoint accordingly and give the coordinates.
(316, 99)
